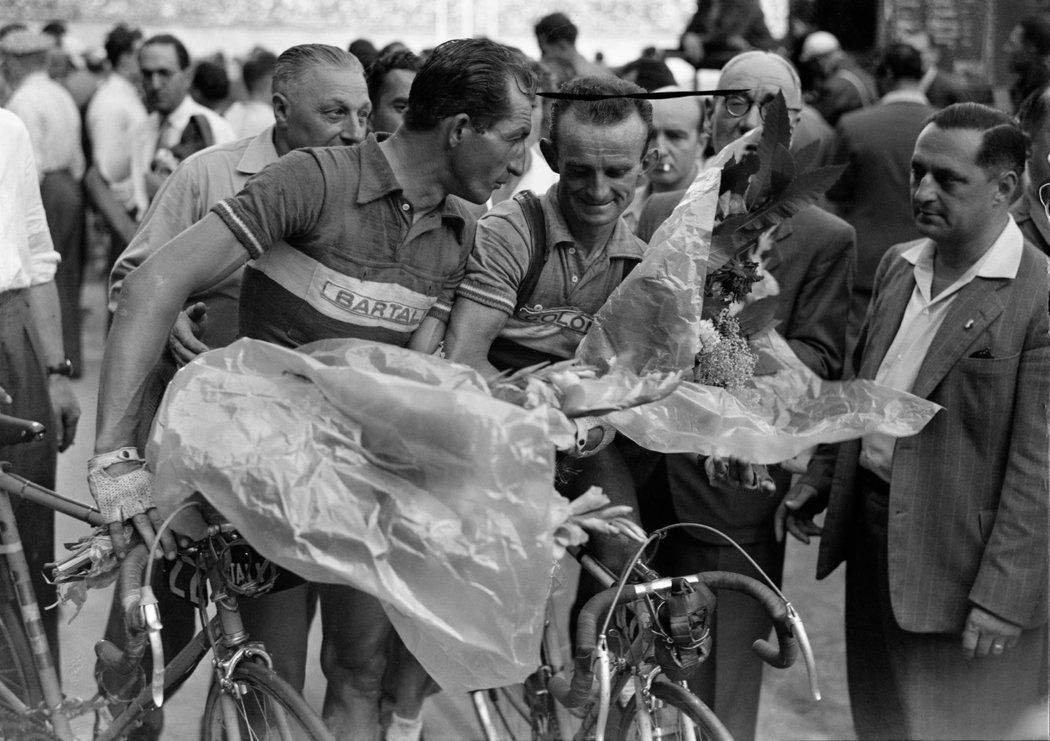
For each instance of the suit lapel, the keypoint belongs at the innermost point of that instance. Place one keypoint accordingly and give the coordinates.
(886, 317)
(976, 306)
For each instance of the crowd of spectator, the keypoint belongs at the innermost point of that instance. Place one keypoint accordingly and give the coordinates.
(925, 267)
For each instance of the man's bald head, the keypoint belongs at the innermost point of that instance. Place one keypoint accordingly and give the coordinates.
(678, 123)
(763, 75)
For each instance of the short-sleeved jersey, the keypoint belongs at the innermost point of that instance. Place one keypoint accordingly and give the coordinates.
(335, 252)
(572, 286)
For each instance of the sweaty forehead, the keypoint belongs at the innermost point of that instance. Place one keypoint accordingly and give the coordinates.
(763, 76)
(579, 137)
(957, 147)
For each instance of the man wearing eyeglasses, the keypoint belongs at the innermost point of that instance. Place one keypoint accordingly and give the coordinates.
(808, 262)
(1031, 209)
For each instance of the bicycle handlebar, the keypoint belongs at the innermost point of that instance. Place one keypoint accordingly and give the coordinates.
(576, 692)
(14, 430)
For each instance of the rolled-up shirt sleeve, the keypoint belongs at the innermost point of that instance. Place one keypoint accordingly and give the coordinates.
(43, 259)
(500, 259)
(284, 200)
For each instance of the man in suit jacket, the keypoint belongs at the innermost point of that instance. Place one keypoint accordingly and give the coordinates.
(944, 533)
(809, 260)
(1028, 210)
(875, 144)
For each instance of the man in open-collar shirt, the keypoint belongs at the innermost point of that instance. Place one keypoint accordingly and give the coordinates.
(944, 533)
(1029, 210)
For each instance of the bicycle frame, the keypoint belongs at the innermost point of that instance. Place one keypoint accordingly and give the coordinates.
(224, 634)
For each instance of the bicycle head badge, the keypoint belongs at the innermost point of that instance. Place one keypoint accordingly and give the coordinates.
(244, 571)
(684, 634)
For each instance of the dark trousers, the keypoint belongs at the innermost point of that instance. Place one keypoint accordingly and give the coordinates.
(22, 376)
(919, 685)
(64, 207)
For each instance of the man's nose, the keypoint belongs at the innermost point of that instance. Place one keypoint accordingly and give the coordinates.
(355, 130)
(661, 145)
(752, 119)
(922, 188)
(516, 166)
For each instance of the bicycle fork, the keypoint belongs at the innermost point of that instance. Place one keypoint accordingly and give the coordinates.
(11, 547)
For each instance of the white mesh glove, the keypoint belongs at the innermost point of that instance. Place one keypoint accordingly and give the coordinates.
(120, 497)
(584, 425)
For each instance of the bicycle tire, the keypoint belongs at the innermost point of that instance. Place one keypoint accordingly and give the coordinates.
(17, 669)
(515, 713)
(265, 699)
(675, 701)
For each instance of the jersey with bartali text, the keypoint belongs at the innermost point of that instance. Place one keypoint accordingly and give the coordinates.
(335, 252)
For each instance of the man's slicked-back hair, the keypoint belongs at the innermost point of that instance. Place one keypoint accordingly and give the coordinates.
(602, 112)
(167, 39)
(293, 63)
(471, 76)
(899, 61)
(1003, 143)
(384, 65)
(120, 41)
(1035, 110)
(556, 27)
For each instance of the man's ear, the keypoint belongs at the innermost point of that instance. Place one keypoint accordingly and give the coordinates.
(549, 153)
(457, 127)
(280, 108)
(649, 159)
(1007, 187)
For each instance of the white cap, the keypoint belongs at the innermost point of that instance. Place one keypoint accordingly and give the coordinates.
(817, 44)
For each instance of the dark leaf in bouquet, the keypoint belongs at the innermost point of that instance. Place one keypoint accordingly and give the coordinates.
(776, 133)
(758, 317)
(736, 176)
(803, 190)
(783, 171)
(806, 157)
(723, 245)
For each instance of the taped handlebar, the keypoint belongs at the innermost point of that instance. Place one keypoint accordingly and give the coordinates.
(576, 692)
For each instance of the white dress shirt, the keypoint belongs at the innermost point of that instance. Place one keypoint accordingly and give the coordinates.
(922, 318)
(147, 138)
(114, 110)
(49, 112)
(27, 257)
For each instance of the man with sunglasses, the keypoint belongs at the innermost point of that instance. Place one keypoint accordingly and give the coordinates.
(1031, 209)
(808, 261)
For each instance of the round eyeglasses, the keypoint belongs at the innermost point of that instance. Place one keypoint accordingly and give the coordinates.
(739, 104)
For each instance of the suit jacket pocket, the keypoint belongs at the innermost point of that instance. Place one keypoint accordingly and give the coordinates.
(988, 366)
(986, 521)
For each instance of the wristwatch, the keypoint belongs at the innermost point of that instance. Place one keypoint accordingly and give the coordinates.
(65, 368)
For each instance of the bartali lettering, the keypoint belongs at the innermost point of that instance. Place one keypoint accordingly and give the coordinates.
(355, 303)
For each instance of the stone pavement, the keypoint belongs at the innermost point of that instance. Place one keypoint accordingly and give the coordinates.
(786, 712)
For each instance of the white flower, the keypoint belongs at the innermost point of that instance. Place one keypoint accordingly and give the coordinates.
(709, 336)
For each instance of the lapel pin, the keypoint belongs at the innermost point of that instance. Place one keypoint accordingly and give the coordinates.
(968, 324)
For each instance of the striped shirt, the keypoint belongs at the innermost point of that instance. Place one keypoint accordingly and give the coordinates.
(336, 252)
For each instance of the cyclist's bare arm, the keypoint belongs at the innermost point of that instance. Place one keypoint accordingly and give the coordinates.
(472, 328)
(152, 297)
(428, 336)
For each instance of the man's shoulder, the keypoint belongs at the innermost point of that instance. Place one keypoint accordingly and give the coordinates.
(225, 154)
(813, 223)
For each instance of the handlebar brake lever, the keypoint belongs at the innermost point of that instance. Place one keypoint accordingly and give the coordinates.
(807, 649)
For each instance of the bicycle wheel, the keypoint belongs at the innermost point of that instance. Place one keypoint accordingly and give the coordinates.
(17, 670)
(522, 712)
(266, 707)
(675, 713)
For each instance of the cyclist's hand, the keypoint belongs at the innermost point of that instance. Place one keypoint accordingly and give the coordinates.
(65, 410)
(184, 340)
(739, 474)
(592, 436)
(986, 634)
(795, 514)
(123, 488)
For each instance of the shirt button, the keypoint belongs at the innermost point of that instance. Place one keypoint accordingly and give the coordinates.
(572, 250)
(406, 207)
(575, 279)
